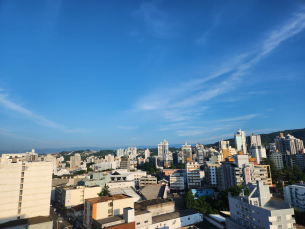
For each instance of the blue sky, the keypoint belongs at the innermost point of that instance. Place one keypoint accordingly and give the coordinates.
(119, 73)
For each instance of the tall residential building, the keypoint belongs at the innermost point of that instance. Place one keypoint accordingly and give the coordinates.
(278, 159)
(240, 141)
(131, 151)
(168, 159)
(75, 161)
(258, 152)
(187, 151)
(223, 144)
(288, 143)
(258, 210)
(162, 150)
(213, 175)
(25, 187)
(199, 149)
(241, 170)
(146, 154)
(120, 152)
(300, 160)
(192, 169)
(254, 140)
(125, 164)
(176, 181)
(293, 195)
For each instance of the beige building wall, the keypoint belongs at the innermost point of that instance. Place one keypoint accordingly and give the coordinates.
(119, 205)
(25, 189)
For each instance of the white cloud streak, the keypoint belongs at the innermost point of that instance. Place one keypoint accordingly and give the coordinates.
(172, 103)
(6, 103)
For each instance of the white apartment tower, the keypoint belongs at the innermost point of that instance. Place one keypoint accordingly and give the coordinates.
(75, 161)
(240, 141)
(25, 187)
(146, 154)
(254, 140)
(223, 144)
(162, 149)
(120, 152)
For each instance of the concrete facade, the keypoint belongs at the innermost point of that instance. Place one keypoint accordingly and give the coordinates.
(192, 169)
(25, 188)
(258, 210)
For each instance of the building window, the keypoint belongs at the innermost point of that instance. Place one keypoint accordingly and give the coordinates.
(188, 218)
(110, 204)
(278, 219)
(109, 211)
(138, 223)
(279, 226)
(146, 221)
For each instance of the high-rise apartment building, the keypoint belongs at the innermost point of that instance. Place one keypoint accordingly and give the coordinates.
(131, 151)
(162, 150)
(288, 143)
(192, 169)
(25, 187)
(213, 175)
(187, 151)
(258, 152)
(278, 159)
(240, 141)
(258, 210)
(254, 140)
(176, 181)
(199, 149)
(75, 161)
(120, 152)
(125, 164)
(223, 144)
(293, 195)
(146, 154)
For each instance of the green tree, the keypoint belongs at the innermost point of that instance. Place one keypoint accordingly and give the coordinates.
(149, 167)
(222, 202)
(105, 191)
(89, 169)
(181, 165)
(80, 172)
(189, 200)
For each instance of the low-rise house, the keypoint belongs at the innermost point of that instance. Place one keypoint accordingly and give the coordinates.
(147, 180)
(106, 206)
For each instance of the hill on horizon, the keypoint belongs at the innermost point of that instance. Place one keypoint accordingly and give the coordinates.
(266, 138)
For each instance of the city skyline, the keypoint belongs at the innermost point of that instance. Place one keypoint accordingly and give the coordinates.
(103, 75)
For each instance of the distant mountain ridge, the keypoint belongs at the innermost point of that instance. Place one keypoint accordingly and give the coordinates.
(266, 138)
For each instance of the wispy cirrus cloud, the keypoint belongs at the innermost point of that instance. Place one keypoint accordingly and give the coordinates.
(5, 102)
(172, 102)
(239, 118)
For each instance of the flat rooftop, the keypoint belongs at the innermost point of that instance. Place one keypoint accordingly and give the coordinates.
(107, 198)
(173, 215)
(153, 191)
(142, 205)
(110, 219)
